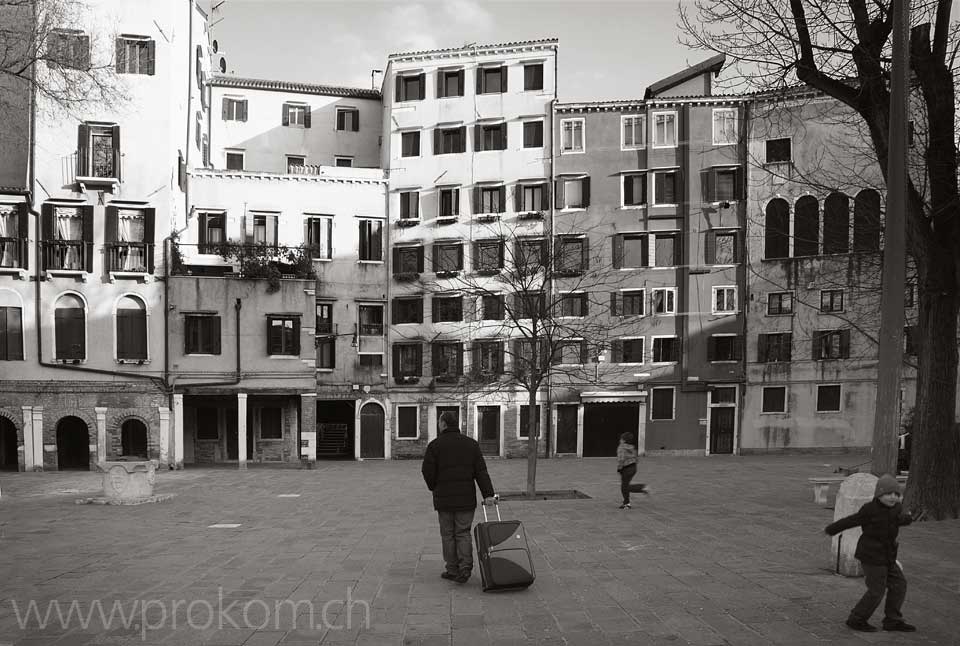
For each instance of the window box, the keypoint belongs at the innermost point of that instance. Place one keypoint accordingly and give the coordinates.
(406, 276)
(488, 217)
(446, 219)
(531, 215)
(450, 273)
(407, 379)
(408, 222)
(488, 272)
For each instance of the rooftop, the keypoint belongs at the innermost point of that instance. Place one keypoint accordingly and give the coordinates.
(713, 64)
(474, 47)
(220, 80)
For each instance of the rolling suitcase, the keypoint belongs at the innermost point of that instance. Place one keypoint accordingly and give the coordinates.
(503, 553)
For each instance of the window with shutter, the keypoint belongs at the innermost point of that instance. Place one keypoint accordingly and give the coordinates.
(11, 334)
(533, 134)
(449, 202)
(70, 328)
(571, 136)
(131, 330)
(407, 423)
(283, 335)
(635, 189)
(633, 250)
(410, 144)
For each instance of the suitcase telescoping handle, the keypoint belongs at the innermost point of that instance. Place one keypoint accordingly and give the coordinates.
(496, 503)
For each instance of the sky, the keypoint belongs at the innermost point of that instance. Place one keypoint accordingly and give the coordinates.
(609, 50)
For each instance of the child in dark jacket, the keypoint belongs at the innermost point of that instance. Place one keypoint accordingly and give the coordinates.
(627, 468)
(880, 520)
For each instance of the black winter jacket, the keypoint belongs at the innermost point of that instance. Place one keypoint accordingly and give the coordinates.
(450, 466)
(880, 524)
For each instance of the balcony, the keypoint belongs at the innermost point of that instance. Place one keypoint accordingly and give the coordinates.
(66, 255)
(133, 257)
(248, 261)
(14, 253)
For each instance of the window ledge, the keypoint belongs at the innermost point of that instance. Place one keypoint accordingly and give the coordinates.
(326, 370)
(666, 205)
(572, 152)
(664, 363)
(724, 313)
(135, 275)
(75, 273)
(572, 209)
(137, 362)
(200, 354)
(447, 219)
(725, 361)
(406, 439)
(75, 362)
(19, 272)
(488, 217)
(408, 222)
(369, 262)
(96, 181)
(626, 363)
(284, 356)
(773, 412)
(633, 207)
(641, 147)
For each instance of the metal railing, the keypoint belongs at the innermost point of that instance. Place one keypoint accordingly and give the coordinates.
(129, 256)
(13, 252)
(250, 260)
(67, 254)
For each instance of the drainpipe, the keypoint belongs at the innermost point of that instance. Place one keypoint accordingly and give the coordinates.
(550, 225)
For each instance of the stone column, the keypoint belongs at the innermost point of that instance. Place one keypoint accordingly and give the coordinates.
(580, 409)
(241, 430)
(642, 428)
(37, 431)
(101, 412)
(28, 451)
(178, 431)
(164, 435)
(307, 442)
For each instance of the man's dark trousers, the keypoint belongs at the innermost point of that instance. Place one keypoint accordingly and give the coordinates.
(882, 579)
(456, 540)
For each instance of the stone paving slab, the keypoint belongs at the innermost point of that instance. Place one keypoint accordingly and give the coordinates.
(727, 550)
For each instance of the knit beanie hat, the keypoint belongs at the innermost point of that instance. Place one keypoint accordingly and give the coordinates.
(886, 484)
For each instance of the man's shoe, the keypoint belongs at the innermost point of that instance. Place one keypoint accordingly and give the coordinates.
(861, 625)
(463, 577)
(900, 626)
(449, 576)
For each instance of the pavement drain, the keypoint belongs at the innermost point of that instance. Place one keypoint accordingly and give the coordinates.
(224, 526)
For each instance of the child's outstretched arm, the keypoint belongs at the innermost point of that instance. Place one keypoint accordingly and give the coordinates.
(853, 520)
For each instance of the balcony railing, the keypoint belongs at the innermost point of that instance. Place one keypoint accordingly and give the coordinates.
(129, 256)
(305, 169)
(67, 254)
(13, 252)
(249, 260)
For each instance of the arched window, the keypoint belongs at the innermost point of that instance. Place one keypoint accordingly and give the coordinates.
(133, 439)
(131, 329)
(836, 224)
(866, 221)
(70, 328)
(806, 227)
(777, 229)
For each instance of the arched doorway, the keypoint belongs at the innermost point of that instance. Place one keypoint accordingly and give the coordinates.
(73, 448)
(133, 439)
(371, 431)
(8, 446)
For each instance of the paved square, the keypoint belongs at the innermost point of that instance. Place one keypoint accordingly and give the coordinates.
(727, 550)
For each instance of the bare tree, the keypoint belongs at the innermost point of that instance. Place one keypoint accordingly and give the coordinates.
(842, 49)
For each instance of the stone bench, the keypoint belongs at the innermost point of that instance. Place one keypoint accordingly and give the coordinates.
(821, 485)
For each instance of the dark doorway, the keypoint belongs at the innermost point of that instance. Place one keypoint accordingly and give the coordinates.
(73, 444)
(335, 429)
(8, 446)
(488, 427)
(721, 429)
(567, 429)
(603, 424)
(133, 439)
(371, 431)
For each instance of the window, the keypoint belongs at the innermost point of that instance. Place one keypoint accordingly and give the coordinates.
(68, 48)
(235, 160)
(831, 344)
(779, 303)
(828, 399)
(490, 137)
(447, 309)
(635, 189)
(831, 300)
(264, 230)
(98, 151)
(572, 256)
(296, 115)
(283, 335)
(665, 249)
(911, 340)
(408, 423)
(724, 300)
(778, 151)
(135, 55)
(371, 320)
(630, 251)
(11, 334)
(627, 302)
(449, 202)
(533, 76)
(295, 163)
(488, 256)
(774, 348)
(449, 140)
(232, 109)
(131, 329)
(489, 199)
(491, 80)
(324, 321)
(530, 254)
(205, 154)
(407, 260)
(571, 353)
(571, 136)
(665, 187)
(836, 224)
(723, 184)
(70, 329)
(664, 129)
(407, 360)
(661, 407)
(67, 232)
(199, 131)
(526, 305)
(447, 257)
(410, 144)
(492, 307)
(721, 248)
(774, 399)
(371, 240)
(806, 227)
(128, 237)
(725, 126)
(488, 357)
(573, 305)
(533, 134)
(343, 162)
(634, 132)
(724, 347)
(449, 83)
(663, 300)
(627, 350)
(447, 359)
(410, 87)
(410, 205)
(320, 236)
(408, 310)
(777, 229)
(666, 349)
(211, 232)
(573, 193)
(523, 428)
(348, 119)
(271, 423)
(327, 353)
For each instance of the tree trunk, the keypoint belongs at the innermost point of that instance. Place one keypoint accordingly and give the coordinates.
(533, 425)
(934, 484)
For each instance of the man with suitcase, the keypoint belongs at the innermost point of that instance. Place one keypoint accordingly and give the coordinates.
(451, 465)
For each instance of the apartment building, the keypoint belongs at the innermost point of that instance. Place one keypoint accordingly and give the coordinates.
(89, 195)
